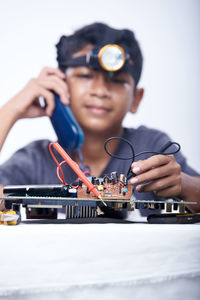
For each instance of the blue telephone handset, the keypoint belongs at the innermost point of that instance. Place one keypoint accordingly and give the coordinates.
(69, 133)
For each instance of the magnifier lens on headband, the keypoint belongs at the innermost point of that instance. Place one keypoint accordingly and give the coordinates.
(112, 57)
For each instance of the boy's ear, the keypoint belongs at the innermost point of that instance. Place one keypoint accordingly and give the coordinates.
(138, 95)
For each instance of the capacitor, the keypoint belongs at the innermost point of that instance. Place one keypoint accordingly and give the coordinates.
(114, 177)
(121, 178)
(93, 179)
(106, 179)
(125, 180)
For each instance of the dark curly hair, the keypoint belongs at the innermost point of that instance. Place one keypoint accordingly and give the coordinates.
(99, 34)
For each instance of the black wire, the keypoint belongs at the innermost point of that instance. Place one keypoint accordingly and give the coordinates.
(162, 151)
(117, 156)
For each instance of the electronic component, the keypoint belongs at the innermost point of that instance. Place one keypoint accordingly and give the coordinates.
(79, 202)
(85, 199)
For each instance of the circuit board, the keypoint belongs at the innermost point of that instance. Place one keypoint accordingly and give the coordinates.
(107, 191)
(84, 198)
(42, 201)
(111, 187)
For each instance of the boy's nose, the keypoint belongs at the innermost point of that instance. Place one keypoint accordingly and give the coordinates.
(100, 86)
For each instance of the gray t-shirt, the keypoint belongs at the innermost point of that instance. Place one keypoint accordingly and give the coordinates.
(33, 164)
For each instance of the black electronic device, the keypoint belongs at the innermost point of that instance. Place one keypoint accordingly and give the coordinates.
(172, 218)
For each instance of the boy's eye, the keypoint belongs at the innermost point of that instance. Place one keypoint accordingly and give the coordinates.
(84, 76)
(118, 81)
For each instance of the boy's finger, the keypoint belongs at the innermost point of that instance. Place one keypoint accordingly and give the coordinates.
(152, 174)
(150, 163)
(49, 99)
(159, 184)
(172, 191)
(169, 191)
(51, 71)
(63, 85)
(57, 86)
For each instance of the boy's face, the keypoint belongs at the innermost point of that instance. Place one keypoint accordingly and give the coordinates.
(98, 101)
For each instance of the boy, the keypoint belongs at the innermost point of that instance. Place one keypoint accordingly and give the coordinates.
(99, 100)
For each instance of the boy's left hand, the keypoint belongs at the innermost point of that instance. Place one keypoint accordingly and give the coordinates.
(160, 174)
(2, 207)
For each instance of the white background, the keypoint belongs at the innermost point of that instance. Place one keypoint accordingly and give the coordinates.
(168, 31)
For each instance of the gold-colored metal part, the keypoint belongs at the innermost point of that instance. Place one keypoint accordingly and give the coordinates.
(130, 207)
(151, 205)
(102, 200)
(181, 208)
(118, 206)
(8, 217)
(99, 211)
(100, 54)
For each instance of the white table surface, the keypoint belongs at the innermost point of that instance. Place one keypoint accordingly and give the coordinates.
(99, 261)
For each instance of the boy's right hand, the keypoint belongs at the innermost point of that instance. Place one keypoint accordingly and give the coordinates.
(26, 104)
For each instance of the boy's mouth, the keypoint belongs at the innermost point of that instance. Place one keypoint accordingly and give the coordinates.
(99, 110)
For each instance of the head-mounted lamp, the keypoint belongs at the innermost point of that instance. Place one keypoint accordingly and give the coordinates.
(110, 57)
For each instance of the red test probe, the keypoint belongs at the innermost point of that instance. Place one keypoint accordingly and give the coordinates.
(74, 167)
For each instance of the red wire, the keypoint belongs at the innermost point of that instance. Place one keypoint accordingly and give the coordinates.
(58, 164)
(59, 169)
